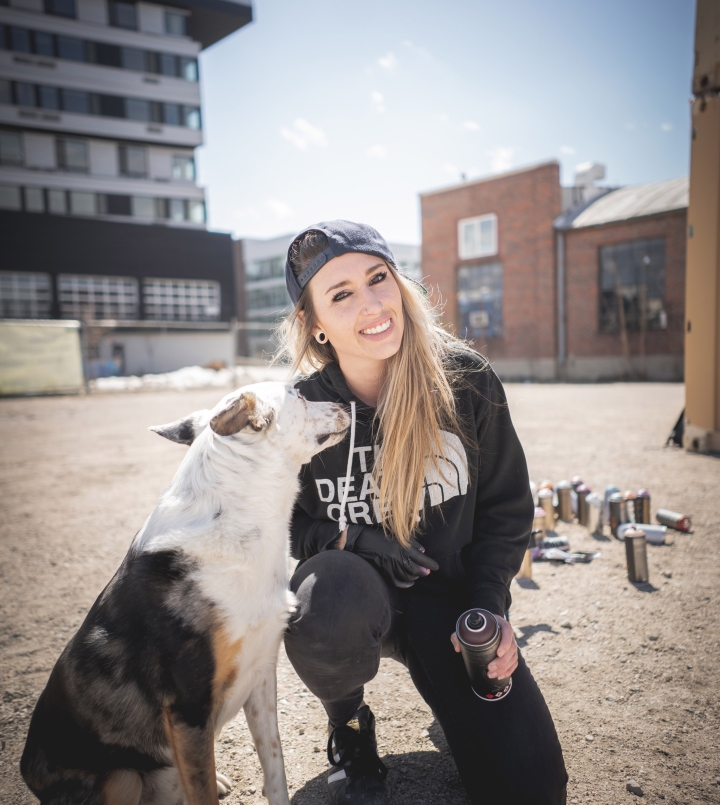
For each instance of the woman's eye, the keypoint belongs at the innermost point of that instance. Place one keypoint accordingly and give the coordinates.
(379, 277)
(340, 295)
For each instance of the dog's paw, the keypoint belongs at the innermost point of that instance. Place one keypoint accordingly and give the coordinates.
(224, 785)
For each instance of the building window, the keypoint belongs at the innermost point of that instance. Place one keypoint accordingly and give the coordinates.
(264, 269)
(24, 94)
(57, 202)
(44, 43)
(60, 8)
(143, 207)
(480, 301)
(71, 48)
(123, 15)
(133, 160)
(183, 168)
(632, 286)
(49, 97)
(477, 237)
(25, 295)
(76, 101)
(175, 23)
(10, 197)
(189, 68)
(5, 91)
(192, 117)
(134, 59)
(72, 155)
(11, 148)
(82, 203)
(115, 204)
(181, 300)
(168, 64)
(34, 199)
(91, 297)
(20, 40)
(275, 297)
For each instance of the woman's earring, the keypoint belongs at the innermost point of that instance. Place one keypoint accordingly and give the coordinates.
(321, 338)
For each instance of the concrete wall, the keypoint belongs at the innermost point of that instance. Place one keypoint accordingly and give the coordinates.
(526, 203)
(40, 357)
(154, 353)
(584, 339)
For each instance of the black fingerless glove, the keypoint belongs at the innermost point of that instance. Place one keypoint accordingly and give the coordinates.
(400, 566)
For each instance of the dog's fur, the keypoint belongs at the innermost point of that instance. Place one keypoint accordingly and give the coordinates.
(187, 632)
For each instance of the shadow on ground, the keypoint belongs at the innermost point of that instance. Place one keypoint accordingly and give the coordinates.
(414, 778)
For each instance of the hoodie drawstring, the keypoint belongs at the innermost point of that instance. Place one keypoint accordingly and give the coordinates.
(342, 520)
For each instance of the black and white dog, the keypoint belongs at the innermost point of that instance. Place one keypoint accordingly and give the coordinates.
(187, 632)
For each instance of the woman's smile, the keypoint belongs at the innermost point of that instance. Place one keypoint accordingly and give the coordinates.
(378, 331)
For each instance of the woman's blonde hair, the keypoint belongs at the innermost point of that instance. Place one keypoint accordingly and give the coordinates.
(417, 399)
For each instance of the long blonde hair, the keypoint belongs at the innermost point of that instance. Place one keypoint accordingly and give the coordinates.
(416, 402)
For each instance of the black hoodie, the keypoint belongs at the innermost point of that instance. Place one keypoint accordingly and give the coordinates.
(478, 512)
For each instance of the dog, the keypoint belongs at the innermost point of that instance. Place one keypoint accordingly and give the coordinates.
(188, 630)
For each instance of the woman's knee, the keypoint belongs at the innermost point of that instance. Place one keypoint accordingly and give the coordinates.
(340, 599)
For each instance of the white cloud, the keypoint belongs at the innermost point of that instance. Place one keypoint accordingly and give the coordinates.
(280, 208)
(452, 169)
(388, 61)
(567, 149)
(501, 158)
(378, 151)
(471, 125)
(302, 134)
(379, 100)
(443, 118)
(666, 126)
(407, 43)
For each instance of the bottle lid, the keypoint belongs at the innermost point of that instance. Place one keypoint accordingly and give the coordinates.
(545, 493)
(633, 532)
(576, 480)
(583, 490)
(563, 485)
(628, 495)
(643, 493)
(616, 497)
(477, 627)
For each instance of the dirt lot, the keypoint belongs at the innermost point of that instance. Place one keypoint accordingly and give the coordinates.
(631, 674)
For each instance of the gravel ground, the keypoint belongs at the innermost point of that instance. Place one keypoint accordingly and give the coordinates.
(630, 672)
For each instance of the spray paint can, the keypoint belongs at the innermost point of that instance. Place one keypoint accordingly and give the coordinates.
(636, 555)
(680, 522)
(555, 542)
(525, 571)
(479, 635)
(609, 490)
(628, 506)
(594, 505)
(642, 506)
(654, 533)
(575, 482)
(563, 489)
(617, 512)
(582, 508)
(539, 521)
(545, 499)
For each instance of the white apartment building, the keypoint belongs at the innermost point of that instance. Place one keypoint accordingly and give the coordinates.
(265, 299)
(100, 106)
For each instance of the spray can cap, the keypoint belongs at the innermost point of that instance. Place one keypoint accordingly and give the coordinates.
(476, 627)
(634, 532)
(563, 485)
(643, 493)
(583, 489)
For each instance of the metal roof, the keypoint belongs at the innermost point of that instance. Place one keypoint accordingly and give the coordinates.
(629, 202)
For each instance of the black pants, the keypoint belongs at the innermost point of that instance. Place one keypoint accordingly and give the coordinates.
(348, 617)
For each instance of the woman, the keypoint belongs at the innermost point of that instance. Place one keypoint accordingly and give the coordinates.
(425, 514)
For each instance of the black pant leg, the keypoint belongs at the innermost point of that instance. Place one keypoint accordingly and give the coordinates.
(344, 623)
(506, 751)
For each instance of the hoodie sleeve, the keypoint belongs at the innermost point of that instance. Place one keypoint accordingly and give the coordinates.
(503, 515)
(309, 536)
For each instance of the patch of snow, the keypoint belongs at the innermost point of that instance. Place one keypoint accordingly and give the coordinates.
(191, 377)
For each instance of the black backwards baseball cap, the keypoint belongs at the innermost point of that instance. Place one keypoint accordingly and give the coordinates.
(343, 237)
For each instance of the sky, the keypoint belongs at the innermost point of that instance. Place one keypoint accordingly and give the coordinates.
(323, 109)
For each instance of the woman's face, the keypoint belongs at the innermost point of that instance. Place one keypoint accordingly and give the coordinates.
(358, 306)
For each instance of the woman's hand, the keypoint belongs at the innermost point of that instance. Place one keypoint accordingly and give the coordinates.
(506, 662)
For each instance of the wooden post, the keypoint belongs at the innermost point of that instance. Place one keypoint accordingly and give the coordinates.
(702, 311)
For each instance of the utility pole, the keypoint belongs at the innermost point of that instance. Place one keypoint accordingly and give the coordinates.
(702, 305)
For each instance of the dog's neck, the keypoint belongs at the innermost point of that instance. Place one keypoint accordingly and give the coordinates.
(221, 493)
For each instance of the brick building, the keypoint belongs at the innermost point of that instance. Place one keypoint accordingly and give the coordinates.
(533, 273)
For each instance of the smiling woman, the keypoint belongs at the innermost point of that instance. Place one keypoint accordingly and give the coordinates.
(433, 459)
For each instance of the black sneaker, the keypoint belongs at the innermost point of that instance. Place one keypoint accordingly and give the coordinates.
(356, 775)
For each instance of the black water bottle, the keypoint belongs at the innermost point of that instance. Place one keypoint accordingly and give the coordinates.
(479, 635)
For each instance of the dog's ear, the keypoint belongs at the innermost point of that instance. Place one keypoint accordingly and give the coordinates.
(246, 410)
(185, 430)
